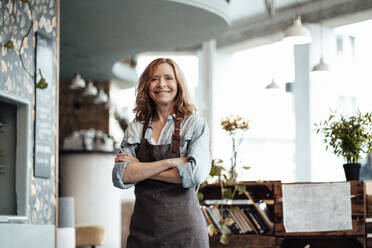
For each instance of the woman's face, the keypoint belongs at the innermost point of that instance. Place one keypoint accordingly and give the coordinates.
(163, 85)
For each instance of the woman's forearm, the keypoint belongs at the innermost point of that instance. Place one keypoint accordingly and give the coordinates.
(138, 171)
(170, 175)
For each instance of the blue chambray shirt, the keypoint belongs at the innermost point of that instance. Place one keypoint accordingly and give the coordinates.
(194, 145)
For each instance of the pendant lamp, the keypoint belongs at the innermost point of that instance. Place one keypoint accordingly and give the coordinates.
(297, 34)
(272, 85)
(321, 66)
(90, 90)
(270, 9)
(77, 82)
(101, 97)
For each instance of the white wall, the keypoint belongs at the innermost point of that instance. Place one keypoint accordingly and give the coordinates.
(87, 178)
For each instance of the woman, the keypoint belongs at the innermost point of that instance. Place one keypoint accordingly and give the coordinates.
(165, 153)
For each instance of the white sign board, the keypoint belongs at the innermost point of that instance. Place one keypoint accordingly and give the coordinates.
(316, 207)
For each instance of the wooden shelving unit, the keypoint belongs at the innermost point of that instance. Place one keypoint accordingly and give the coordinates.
(271, 193)
(260, 191)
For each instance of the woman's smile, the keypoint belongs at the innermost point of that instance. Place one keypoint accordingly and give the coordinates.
(162, 91)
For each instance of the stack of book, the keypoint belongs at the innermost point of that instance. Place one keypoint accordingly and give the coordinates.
(251, 218)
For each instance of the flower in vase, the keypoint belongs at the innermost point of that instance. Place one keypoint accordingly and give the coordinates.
(235, 126)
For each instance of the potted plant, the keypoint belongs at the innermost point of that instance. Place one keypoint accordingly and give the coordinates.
(349, 137)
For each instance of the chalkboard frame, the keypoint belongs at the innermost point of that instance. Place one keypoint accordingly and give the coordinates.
(23, 154)
(44, 138)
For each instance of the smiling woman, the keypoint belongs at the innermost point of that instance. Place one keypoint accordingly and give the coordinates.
(153, 77)
(163, 85)
(165, 154)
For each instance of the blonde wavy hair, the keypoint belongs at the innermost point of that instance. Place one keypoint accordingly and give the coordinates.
(145, 106)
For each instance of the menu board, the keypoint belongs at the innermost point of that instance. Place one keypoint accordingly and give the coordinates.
(45, 123)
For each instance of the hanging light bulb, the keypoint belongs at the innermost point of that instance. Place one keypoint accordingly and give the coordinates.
(272, 85)
(101, 97)
(321, 67)
(297, 34)
(271, 12)
(77, 82)
(90, 90)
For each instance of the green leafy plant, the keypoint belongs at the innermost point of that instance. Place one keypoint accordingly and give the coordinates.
(349, 137)
(9, 44)
(42, 84)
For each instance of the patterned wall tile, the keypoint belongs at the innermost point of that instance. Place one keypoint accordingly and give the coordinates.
(16, 78)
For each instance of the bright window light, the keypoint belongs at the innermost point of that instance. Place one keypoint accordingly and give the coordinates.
(268, 147)
(347, 90)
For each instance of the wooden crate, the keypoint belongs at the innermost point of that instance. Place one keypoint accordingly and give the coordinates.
(348, 238)
(321, 241)
(244, 241)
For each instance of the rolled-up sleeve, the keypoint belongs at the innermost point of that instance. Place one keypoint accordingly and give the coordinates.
(197, 169)
(119, 167)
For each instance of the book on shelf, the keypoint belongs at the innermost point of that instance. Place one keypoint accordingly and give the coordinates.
(257, 220)
(253, 219)
(217, 213)
(265, 214)
(260, 212)
(204, 217)
(234, 227)
(248, 226)
(248, 221)
(238, 221)
(214, 219)
(210, 222)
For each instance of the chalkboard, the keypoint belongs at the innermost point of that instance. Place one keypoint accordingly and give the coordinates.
(45, 133)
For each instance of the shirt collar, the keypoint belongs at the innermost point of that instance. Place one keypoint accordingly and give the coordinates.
(171, 116)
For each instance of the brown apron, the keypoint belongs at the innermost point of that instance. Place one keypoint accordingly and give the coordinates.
(166, 215)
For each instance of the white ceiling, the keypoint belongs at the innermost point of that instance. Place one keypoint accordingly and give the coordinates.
(95, 34)
(242, 9)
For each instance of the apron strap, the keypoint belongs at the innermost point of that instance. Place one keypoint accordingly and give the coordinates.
(176, 135)
(145, 128)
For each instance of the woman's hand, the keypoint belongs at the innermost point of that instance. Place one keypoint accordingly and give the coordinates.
(124, 157)
(174, 162)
